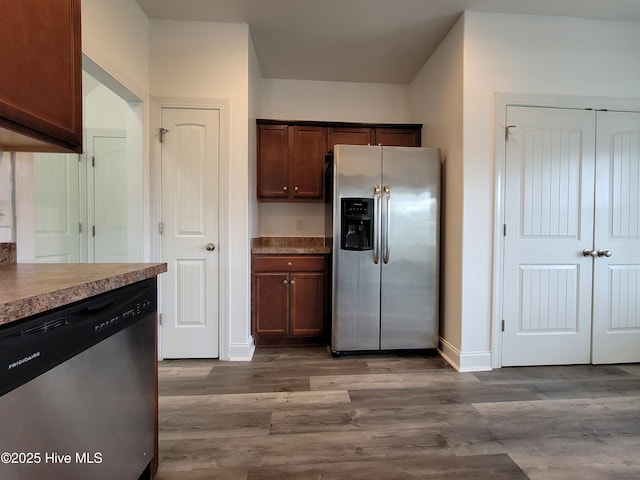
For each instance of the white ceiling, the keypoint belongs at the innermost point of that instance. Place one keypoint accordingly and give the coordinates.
(379, 41)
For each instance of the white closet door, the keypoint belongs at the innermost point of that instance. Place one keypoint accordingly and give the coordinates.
(549, 194)
(110, 200)
(190, 179)
(56, 208)
(616, 302)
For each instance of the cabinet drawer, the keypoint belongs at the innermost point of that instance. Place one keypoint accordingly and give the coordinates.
(300, 263)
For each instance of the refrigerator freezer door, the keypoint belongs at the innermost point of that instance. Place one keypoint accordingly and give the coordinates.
(356, 277)
(409, 280)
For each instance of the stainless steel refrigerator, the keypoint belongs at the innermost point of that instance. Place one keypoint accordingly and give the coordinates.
(385, 229)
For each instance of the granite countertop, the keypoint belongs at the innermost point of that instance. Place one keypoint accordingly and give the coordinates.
(289, 245)
(27, 289)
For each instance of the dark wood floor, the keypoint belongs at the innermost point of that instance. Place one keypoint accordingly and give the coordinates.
(297, 413)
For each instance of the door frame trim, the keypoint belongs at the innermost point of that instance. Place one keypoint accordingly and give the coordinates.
(223, 106)
(502, 101)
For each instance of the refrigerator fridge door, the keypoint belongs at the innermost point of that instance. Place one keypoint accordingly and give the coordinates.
(409, 279)
(356, 275)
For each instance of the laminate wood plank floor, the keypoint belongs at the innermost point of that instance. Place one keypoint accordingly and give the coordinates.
(298, 413)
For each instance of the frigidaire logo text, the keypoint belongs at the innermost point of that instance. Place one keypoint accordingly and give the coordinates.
(24, 360)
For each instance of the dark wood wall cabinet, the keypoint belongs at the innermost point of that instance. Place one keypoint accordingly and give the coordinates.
(408, 136)
(40, 76)
(292, 154)
(290, 158)
(288, 300)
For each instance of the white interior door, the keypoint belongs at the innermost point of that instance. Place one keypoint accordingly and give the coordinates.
(190, 159)
(56, 208)
(549, 195)
(616, 303)
(109, 197)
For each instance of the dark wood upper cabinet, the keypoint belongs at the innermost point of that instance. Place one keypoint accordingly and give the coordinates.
(290, 163)
(401, 136)
(40, 76)
(292, 154)
(306, 147)
(349, 136)
(273, 162)
(398, 137)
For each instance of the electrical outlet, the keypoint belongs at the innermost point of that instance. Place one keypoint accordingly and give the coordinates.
(298, 224)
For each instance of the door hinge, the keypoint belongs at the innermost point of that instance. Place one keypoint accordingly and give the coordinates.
(93, 161)
(160, 319)
(80, 228)
(93, 230)
(503, 325)
(160, 228)
(504, 230)
(161, 133)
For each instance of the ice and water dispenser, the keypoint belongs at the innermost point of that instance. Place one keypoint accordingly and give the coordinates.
(356, 224)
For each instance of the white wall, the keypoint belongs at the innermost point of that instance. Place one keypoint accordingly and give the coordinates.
(437, 103)
(104, 110)
(525, 54)
(322, 101)
(210, 61)
(115, 35)
(334, 101)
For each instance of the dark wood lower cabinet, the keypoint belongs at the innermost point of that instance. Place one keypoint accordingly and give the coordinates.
(306, 304)
(271, 303)
(289, 299)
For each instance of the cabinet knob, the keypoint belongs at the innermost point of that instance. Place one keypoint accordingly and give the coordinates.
(284, 282)
(284, 189)
(292, 282)
(296, 188)
(289, 264)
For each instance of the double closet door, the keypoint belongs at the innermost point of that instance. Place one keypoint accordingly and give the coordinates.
(572, 236)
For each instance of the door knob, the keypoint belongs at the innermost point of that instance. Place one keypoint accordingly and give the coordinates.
(604, 253)
(589, 253)
(210, 247)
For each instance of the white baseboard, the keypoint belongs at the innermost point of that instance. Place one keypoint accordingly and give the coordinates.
(242, 352)
(465, 361)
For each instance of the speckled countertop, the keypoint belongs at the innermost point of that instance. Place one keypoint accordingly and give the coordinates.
(27, 289)
(289, 245)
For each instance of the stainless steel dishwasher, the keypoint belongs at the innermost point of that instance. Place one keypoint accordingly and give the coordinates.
(77, 389)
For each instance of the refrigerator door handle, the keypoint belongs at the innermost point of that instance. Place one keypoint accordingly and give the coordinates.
(387, 215)
(377, 225)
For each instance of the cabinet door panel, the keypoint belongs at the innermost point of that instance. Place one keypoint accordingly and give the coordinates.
(307, 304)
(273, 161)
(41, 94)
(398, 137)
(348, 136)
(307, 162)
(271, 311)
